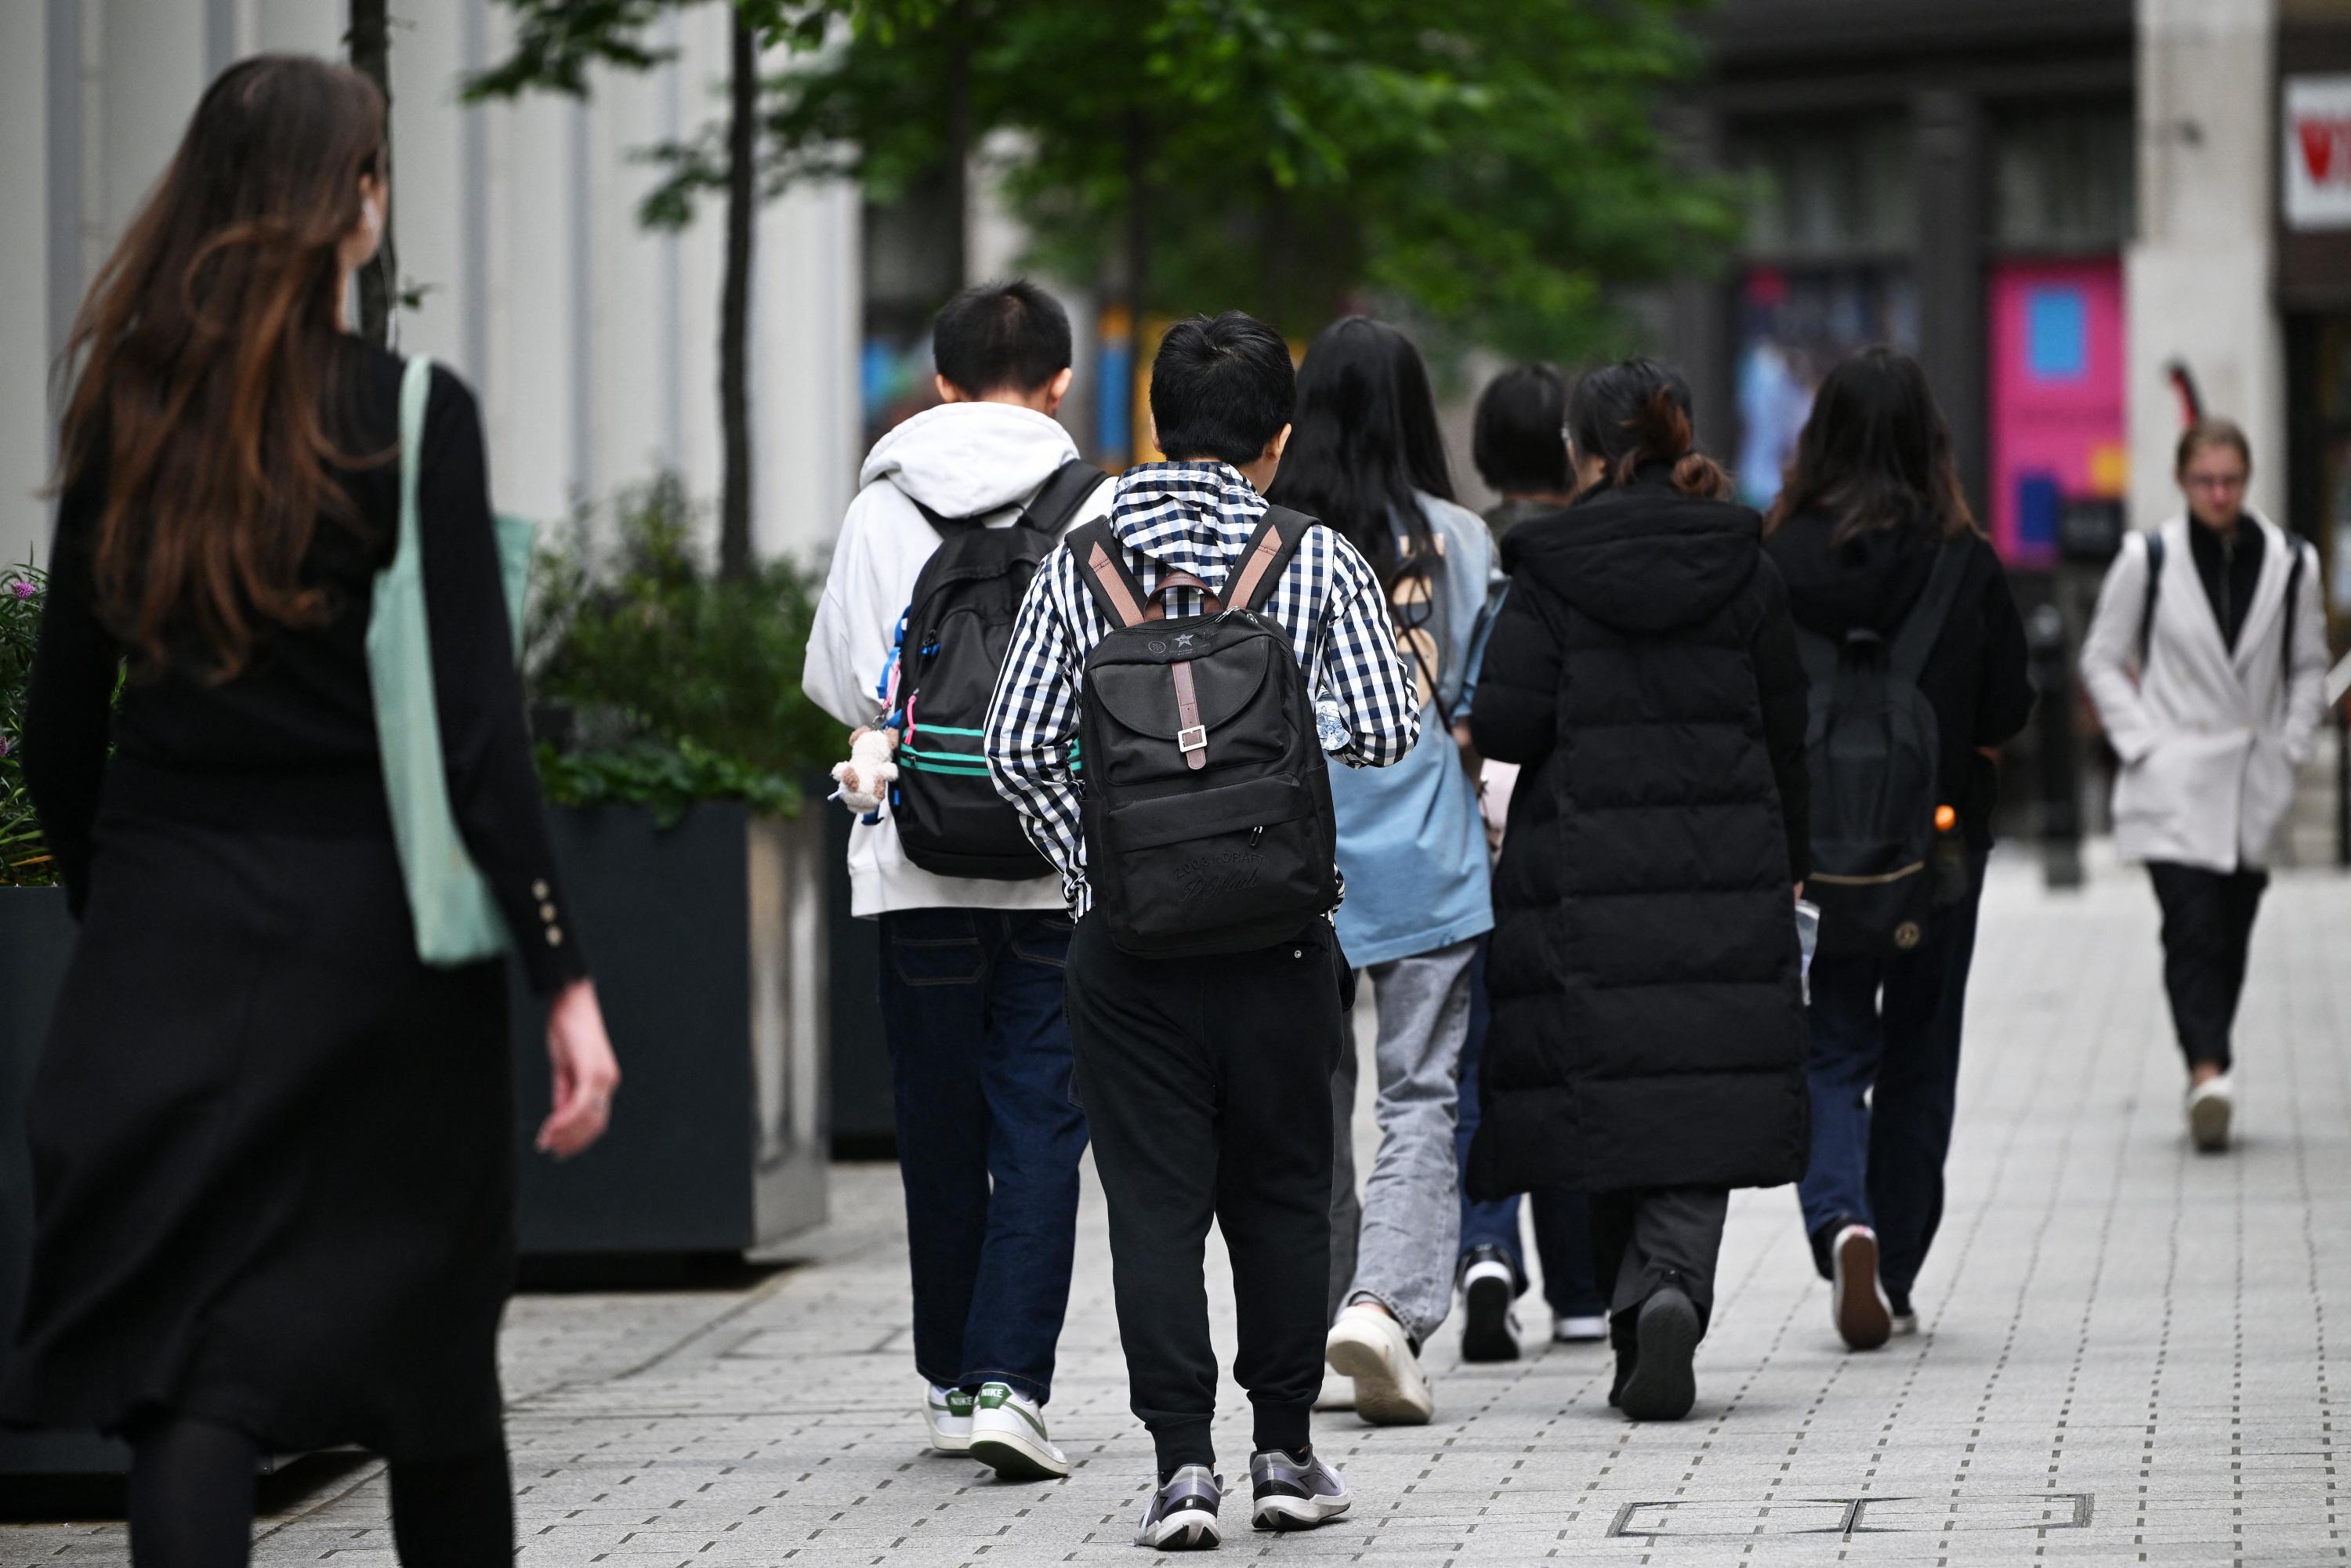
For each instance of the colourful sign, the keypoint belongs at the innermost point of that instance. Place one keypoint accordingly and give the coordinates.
(2058, 421)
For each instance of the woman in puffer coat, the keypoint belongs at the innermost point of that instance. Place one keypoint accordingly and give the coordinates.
(1648, 1038)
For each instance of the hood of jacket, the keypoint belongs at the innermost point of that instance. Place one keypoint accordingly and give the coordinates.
(1187, 516)
(1640, 558)
(1870, 581)
(963, 459)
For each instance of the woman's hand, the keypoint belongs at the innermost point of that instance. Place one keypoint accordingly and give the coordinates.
(584, 1073)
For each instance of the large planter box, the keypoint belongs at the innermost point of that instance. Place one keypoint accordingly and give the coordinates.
(36, 939)
(708, 942)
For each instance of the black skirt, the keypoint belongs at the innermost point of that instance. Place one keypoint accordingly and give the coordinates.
(272, 1151)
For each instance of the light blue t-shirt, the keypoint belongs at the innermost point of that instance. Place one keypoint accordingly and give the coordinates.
(1411, 843)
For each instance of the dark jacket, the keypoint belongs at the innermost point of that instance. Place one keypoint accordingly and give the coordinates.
(1648, 1027)
(1976, 677)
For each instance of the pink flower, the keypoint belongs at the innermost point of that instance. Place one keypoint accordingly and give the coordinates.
(24, 589)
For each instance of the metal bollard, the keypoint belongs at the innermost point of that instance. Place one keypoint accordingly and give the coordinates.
(2061, 763)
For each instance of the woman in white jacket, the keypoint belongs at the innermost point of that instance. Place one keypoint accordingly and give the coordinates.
(2208, 670)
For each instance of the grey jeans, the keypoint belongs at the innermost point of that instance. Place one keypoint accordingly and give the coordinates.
(1397, 1244)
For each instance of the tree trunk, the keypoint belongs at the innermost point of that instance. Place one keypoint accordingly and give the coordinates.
(957, 29)
(735, 304)
(370, 42)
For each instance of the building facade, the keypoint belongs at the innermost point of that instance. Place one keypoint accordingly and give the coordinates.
(592, 341)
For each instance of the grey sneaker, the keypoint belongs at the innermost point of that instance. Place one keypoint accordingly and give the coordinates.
(1182, 1515)
(1294, 1496)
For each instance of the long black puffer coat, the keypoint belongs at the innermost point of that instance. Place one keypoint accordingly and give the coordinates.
(1648, 1024)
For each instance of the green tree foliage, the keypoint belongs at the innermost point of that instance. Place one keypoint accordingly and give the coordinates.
(1494, 166)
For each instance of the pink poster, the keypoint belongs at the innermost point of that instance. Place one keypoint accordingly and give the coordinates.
(2058, 432)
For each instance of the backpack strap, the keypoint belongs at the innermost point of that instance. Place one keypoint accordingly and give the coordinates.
(1908, 658)
(1103, 569)
(2293, 592)
(1058, 499)
(2147, 610)
(1265, 557)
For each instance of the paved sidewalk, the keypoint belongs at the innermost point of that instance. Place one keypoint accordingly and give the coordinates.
(2126, 1354)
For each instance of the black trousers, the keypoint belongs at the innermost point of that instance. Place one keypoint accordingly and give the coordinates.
(1206, 1082)
(1643, 1241)
(2207, 931)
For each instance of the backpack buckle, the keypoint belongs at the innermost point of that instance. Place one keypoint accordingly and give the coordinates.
(1194, 739)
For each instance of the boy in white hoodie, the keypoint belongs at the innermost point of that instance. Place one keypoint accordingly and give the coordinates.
(988, 1137)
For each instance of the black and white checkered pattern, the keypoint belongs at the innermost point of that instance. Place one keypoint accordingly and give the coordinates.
(1196, 517)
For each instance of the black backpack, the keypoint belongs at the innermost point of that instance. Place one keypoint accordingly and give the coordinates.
(1874, 751)
(952, 644)
(1206, 796)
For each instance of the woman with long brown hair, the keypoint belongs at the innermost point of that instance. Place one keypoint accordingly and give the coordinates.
(1872, 535)
(272, 1148)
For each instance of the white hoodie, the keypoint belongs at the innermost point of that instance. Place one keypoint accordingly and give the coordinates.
(961, 460)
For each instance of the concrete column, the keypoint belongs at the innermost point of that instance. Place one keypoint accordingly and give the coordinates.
(27, 119)
(1950, 271)
(806, 302)
(2196, 277)
(429, 186)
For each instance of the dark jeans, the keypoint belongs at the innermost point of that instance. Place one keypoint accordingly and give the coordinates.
(1563, 1223)
(1885, 1074)
(1207, 1083)
(2208, 933)
(1645, 1240)
(988, 1137)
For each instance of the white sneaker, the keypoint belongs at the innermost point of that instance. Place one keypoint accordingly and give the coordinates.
(1490, 1324)
(948, 1413)
(1904, 1324)
(1568, 1330)
(1007, 1434)
(2209, 1107)
(1371, 1347)
(1857, 1305)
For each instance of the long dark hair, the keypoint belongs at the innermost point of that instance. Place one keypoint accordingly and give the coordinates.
(1634, 415)
(1365, 438)
(206, 352)
(1876, 454)
(1520, 440)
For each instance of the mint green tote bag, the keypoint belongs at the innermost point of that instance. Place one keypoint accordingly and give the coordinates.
(457, 921)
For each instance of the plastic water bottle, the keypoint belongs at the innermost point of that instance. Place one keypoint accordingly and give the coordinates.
(1330, 723)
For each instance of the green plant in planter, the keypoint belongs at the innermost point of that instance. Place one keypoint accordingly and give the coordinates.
(680, 685)
(24, 855)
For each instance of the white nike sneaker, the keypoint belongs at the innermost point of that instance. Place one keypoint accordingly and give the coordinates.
(1007, 1434)
(1568, 1330)
(948, 1413)
(1391, 1390)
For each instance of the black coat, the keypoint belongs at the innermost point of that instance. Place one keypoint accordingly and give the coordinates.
(1648, 1024)
(1976, 676)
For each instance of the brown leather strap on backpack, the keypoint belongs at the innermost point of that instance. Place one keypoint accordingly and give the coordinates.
(1174, 579)
(1264, 550)
(1191, 735)
(1113, 583)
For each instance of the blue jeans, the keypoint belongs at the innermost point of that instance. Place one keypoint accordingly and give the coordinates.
(1885, 1074)
(1562, 1219)
(989, 1137)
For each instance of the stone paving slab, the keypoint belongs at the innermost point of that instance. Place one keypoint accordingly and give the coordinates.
(2126, 1356)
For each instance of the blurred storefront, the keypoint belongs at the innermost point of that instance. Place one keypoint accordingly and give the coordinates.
(2314, 252)
(1955, 180)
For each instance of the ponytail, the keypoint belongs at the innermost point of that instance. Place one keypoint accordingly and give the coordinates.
(1635, 414)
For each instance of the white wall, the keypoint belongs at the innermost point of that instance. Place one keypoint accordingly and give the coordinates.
(2198, 279)
(592, 342)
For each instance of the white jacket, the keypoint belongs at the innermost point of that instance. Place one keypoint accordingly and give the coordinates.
(2210, 742)
(961, 460)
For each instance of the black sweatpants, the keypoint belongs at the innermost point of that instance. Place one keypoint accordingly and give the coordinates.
(1659, 1236)
(1207, 1084)
(2208, 932)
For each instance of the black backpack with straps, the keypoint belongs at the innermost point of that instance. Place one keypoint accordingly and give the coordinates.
(1207, 808)
(957, 630)
(1874, 751)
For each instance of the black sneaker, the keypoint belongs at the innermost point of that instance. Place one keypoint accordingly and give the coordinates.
(1294, 1494)
(1182, 1513)
(1663, 1385)
(1490, 1287)
(1624, 1333)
